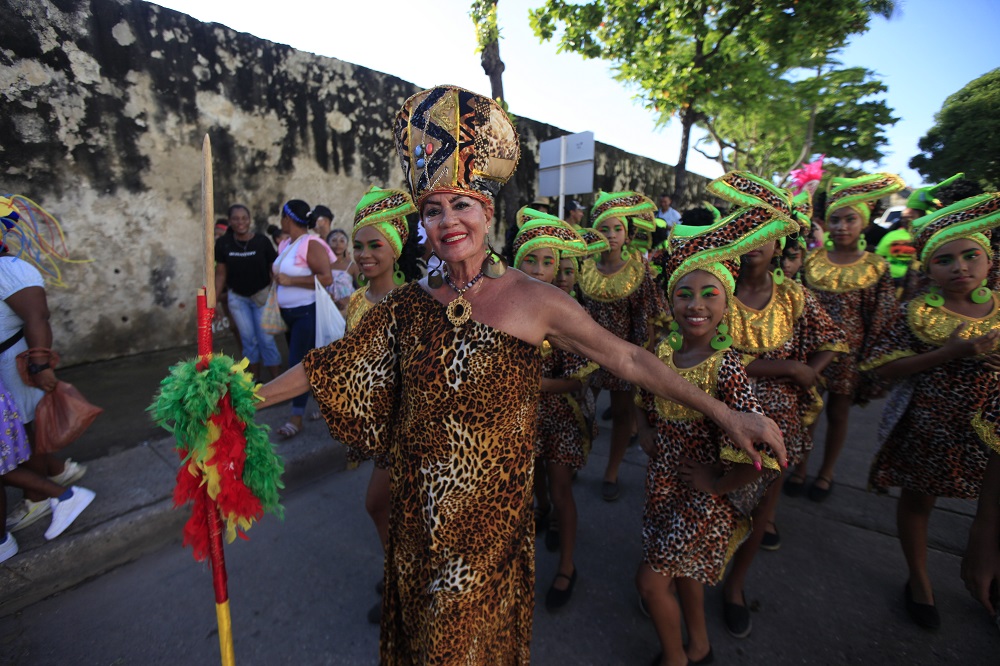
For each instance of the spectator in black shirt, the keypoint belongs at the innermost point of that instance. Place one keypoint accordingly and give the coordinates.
(243, 261)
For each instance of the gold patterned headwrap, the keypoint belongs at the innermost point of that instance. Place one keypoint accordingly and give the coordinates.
(763, 214)
(967, 218)
(453, 140)
(537, 230)
(625, 206)
(385, 210)
(861, 193)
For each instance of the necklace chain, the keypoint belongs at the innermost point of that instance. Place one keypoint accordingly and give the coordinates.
(467, 286)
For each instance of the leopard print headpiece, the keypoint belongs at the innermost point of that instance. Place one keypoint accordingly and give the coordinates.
(386, 210)
(595, 240)
(631, 206)
(452, 140)
(861, 193)
(968, 218)
(537, 230)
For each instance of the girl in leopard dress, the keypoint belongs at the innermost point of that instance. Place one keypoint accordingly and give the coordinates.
(856, 289)
(386, 259)
(620, 294)
(562, 435)
(937, 422)
(700, 492)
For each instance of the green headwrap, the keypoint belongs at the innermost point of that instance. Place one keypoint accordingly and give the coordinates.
(860, 193)
(925, 198)
(540, 230)
(967, 218)
(386, 210)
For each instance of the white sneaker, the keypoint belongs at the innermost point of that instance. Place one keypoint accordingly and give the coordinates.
(26, 513)
(71, 473)
(8, 548)
(65, 512)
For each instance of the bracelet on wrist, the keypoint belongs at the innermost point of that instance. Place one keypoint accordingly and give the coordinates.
(35, 368)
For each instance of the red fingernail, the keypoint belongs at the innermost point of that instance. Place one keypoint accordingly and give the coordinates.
(756, 465)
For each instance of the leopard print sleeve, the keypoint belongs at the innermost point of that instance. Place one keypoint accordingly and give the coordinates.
(649, 307)
(880, 310)
(896, 342)
(355, 381)
(733, 388)
(572, 366)
(815, 330)
(986, 422)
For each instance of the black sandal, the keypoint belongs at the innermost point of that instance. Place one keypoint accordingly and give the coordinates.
(556, 598)
(794, 485)
(817, 494)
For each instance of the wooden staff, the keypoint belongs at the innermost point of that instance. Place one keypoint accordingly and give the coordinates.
(206, 312)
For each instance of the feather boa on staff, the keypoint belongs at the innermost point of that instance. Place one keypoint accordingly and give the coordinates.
(209, 408)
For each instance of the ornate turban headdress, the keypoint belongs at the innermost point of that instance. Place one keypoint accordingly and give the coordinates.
(385, 210)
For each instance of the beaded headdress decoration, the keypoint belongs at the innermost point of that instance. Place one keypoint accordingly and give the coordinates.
(386, 210)
(861, 193)
(762, 215)
(537, 230)
(453, 140)
(967, 218)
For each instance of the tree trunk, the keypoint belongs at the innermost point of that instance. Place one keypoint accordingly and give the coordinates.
(509, 196)
(688, 117)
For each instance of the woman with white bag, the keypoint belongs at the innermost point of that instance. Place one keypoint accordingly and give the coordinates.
(302, 260)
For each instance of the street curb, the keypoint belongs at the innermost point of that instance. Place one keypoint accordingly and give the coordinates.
(40, 572)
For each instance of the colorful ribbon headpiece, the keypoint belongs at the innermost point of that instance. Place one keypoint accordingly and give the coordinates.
(625, 206)
(538, 230)
(925, 198)
(811, 172)
(763, 214)
(861, 193)
(967, 218)
(386, 210)
(453, 140)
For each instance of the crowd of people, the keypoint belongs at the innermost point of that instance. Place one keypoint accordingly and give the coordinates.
(720, 336)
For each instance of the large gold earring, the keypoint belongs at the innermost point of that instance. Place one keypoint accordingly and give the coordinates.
(434, 279)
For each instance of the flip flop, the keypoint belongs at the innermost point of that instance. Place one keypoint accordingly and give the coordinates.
(288, 431)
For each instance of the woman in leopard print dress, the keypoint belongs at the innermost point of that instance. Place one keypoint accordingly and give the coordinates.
(934, 425)
(443, 375)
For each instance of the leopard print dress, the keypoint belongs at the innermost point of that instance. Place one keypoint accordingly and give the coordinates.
(456, 407)
(687, 533)
(357, 307)
(931, 442)
(791, 327)
(566, 421)
(861, 298)
(625, 303)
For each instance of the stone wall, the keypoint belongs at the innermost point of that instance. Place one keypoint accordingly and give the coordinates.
(105, 106)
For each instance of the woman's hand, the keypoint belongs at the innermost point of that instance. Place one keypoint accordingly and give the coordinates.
(747, 428)
(804, 375)
(45, 380)
(699, 476)
(283, 280)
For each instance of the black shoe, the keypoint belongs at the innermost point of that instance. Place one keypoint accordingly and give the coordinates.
(817, 494)
(552, 539)
(556, 598)
(737, 618)
(794, 485)
(606, 414)
(610, 491)
(771, 540)
(375, 613)
(542, 519)
(925, 615)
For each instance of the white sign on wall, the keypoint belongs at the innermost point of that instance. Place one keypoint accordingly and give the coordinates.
(566, 166)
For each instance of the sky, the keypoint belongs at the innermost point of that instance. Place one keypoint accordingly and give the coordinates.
(927, 51)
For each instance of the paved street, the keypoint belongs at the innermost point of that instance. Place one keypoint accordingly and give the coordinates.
(301, 588)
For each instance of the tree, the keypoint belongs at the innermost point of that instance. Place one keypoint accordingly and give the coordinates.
(484, 16)
(681, 54)
(965, 136)
(783, 120)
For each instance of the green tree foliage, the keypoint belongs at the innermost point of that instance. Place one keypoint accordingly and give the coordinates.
(780, 121)
(679, 55)
(965, 136)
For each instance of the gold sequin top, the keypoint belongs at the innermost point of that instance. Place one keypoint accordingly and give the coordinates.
(935, 325)
(606, 288)
(357, 307)
(823, 275)
(759, 331)
(704, 375)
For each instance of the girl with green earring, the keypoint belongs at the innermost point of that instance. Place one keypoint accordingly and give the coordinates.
(856, 289)
(619, 292)
(943, 344)
(386, 259)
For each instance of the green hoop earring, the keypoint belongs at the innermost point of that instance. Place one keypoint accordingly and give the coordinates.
(982, 294)
(778, 276)
(625, 252)
(862, 244)
(723, 340)
(572, 294)
(674, 339)
(397, 277)
(362, 280)
(828, 244)
(933, 297)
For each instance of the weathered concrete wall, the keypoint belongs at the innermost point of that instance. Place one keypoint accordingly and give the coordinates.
(105, 106)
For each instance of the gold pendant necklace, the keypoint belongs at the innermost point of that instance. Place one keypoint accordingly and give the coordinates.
(460, 310)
